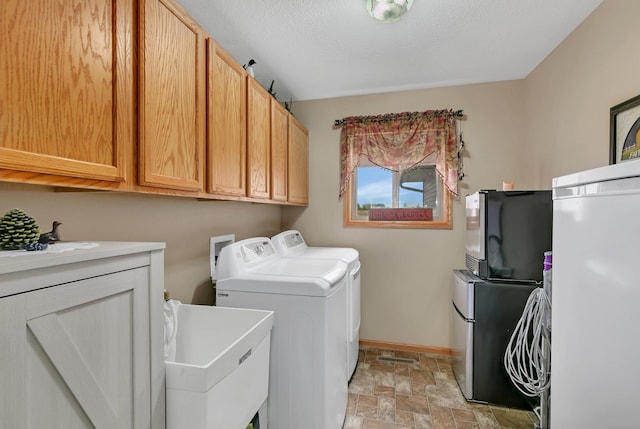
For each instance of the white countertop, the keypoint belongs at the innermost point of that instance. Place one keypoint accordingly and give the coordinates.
(43, 259)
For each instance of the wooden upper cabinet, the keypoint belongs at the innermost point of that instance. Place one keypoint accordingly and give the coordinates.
(279, 148)
(172, 98)
(298, 162)
(227, 114)
(258, 140)
(66, 87)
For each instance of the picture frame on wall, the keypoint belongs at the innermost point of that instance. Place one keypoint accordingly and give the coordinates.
(624, 131)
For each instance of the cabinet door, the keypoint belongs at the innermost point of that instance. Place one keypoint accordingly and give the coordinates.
(66, 89)
(279, 149)
(258, 140)
(77, 355)
(298, 162)
(227, 140)
(172, 99)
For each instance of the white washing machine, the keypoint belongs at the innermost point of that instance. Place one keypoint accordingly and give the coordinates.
(290, 244)
(307, 385)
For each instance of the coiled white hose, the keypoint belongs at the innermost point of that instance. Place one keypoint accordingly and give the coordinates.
(524, 360)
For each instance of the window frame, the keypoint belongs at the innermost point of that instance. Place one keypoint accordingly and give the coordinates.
(350, 208)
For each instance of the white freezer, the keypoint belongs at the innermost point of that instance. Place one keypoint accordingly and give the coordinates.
(595, 341)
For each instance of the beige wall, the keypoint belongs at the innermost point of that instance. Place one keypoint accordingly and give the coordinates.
(568, 96)
(184, 224)
(551, 123)
(406, 273)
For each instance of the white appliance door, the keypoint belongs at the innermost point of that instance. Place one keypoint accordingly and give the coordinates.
(595, 349)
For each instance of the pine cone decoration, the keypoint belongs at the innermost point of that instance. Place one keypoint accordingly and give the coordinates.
(17, 229)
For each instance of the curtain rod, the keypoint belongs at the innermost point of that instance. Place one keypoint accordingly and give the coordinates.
(390, 116)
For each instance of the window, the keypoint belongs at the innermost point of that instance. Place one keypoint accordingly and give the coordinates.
(375, 194)
(399, 170)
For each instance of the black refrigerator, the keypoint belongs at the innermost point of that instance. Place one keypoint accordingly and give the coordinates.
(484, 315)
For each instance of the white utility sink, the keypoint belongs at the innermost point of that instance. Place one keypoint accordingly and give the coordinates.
(219, 377)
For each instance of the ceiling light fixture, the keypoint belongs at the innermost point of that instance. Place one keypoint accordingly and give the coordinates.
(388, 10)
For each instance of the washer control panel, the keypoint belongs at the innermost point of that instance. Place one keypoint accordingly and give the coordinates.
(293, 240)
(253, 252)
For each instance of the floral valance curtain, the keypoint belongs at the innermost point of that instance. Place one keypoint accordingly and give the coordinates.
(399, 142)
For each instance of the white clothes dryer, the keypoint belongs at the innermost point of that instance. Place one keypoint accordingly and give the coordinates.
(307, 386)
(291, 244)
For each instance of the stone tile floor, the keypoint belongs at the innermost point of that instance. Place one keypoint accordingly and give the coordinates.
(424, 394)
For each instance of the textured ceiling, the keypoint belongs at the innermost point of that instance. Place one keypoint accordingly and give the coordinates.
(332, 48)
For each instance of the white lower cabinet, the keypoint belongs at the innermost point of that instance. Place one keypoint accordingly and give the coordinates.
(81, 342)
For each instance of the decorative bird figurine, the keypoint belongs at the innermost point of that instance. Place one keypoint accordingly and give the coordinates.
(249, 67)
(51, 236)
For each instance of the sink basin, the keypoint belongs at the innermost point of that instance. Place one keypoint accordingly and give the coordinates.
(219, 377)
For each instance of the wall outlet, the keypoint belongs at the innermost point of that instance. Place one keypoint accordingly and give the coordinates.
(215, 246)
